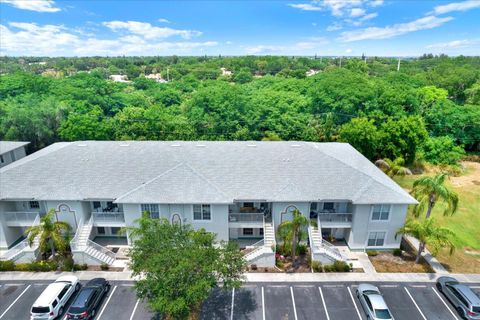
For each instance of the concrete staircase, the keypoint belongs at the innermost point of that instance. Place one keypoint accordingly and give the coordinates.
(263, 253)
(269, 234)
(23, 252)
(82, 245)
(322, 250)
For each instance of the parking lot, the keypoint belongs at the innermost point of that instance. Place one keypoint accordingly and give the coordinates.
(264, 301)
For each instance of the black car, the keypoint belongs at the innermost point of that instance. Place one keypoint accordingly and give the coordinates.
(88, 299)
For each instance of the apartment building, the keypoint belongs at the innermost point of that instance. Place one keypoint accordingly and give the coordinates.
(11, 151)
(239, 190)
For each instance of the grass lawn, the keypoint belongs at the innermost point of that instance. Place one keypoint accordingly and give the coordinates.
(465, 223)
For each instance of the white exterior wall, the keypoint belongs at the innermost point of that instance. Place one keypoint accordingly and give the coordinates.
(12, 156)
(75, 211)
(279, 207)
(8, 235)
(362, 225)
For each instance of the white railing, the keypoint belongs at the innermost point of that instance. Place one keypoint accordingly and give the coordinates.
(108, 217)
(18, 216)
(103, 250)
(246, 217)
(74, 246)
(335, 217)
(330, 249)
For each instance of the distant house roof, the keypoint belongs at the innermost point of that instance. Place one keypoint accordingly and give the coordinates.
(199, 172)
(7, 146)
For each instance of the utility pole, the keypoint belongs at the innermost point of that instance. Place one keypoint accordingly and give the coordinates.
(398, 65)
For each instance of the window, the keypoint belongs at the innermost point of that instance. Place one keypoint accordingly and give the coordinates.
(54, 304)
(313, 206)
(34, 204)
(328, 206)
(100, 230)
(201, 212)
(62, 293)
(152, 209)
(1, 159)
(248, 204)
(115, 230)
(248, 231)
(376, 239)
(261, 231)
(367, 300)
(380, 212)
(96, 205)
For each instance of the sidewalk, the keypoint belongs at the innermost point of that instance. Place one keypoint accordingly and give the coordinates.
(432, 261)
(254, 277)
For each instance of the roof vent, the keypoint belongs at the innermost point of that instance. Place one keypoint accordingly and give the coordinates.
(295, 146)
(175, 145)
(200, 145)
(252, 145)
(81, 145)
(124, 144)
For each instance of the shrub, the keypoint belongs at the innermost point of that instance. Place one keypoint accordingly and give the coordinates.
(22, 267)
(7, 265)
(279, 263)
(338, 266)
(68, 264)
(254, 267)
(104, 267)
(372, 253)
(316, 266)
(442, 150)
(397, 252)
(301, 249)
(42, 266)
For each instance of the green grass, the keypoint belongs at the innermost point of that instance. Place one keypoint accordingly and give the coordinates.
(465, 223)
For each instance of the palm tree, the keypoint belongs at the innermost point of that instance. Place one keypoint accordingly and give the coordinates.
(393, 168)
(291, 229)
(51, 233)
(428, 233)
(429, 190)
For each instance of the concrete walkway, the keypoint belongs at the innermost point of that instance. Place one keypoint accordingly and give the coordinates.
(254, 277)
(432, 261)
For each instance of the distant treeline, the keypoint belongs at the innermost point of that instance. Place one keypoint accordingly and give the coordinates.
(428, 110)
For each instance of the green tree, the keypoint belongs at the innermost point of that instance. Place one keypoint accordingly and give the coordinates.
(362, 134)
(292, 229)
(179, 266)
(52, 234)
(243, 76)
(428, 233)
(92, 125)
(442, 150)
(393, 168)
(431, 190)
(473, 94)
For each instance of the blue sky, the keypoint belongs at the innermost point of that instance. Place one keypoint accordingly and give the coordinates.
(323, 27)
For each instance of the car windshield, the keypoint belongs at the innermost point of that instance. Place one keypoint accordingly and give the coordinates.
(382, 314)
(40, 309)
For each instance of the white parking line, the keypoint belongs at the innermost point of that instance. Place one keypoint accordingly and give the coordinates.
(11, 305)
(444, 303)
(293, 301)
(418, 286)
(106, 303)
(263, 304)
(233, 299)
(416, 305)
(324, 304)
(353, 300)
(134, 309)
(388, 285)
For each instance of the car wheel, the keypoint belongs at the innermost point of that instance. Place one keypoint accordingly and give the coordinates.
(358, 294)
(461, 313)
(92, 315)
(60, 312)
(439, 287)
(77, 287)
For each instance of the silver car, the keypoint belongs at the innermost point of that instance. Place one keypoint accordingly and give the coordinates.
(465, 301)
(372, 303)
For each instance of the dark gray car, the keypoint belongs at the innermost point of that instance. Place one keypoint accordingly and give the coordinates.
(465, 301)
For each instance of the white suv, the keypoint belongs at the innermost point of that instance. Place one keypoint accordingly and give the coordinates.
(51, 303)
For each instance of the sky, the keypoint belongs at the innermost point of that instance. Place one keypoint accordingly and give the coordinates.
(322, 27)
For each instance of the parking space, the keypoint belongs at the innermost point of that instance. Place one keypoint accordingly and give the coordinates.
(339, 302)
(430, 303)
(262, 301)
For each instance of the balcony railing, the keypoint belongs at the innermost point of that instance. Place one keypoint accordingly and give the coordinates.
(335, 217)
(21, 218)
(116, 217)
(246, 217)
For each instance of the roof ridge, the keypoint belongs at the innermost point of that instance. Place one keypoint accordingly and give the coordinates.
(206, 180)
(371, 177)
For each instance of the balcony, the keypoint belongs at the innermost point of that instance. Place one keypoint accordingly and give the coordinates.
(245, 220)
(335, 220)
(20, 219)
(108, 219)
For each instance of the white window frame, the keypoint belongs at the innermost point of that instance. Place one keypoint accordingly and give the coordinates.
(381, 211)
(376, 232)
(148, 207)
(202, 219)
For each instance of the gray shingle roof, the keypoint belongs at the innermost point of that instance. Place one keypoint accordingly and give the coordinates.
(199, 172)
(7, 146)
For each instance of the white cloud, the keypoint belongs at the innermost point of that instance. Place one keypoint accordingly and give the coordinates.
(457, 6)
(455, 44)
(163, 20)
(334, 27)
(148, 31)
(295, 48)
(33, 5)
(305, 6)
(349, 50)
(357, 12)
(376, 3)
(369, 16)
(30, 39)
(428, 22)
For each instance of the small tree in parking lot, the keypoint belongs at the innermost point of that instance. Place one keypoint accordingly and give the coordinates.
(178, 266)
